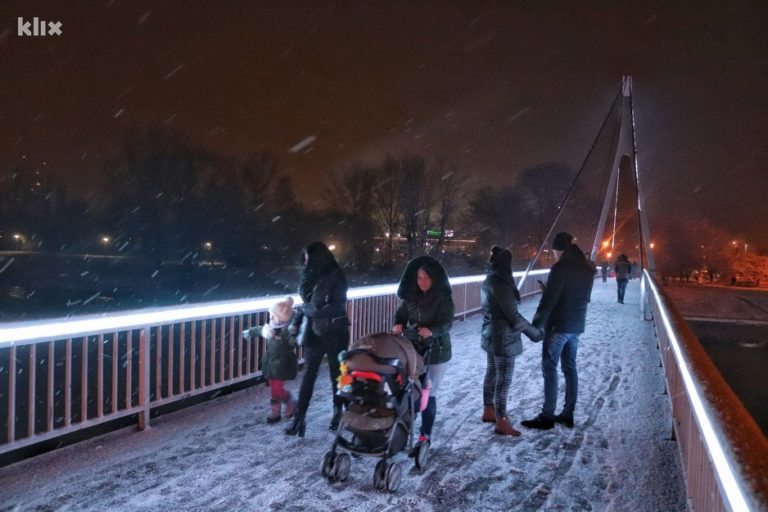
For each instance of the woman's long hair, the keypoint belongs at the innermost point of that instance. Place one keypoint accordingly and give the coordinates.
(317, 260)
(500, 263)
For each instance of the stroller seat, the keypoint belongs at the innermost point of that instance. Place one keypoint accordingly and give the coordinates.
(381, 385)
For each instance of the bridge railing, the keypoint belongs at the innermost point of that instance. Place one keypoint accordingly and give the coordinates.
(60, 376)
(724, 453)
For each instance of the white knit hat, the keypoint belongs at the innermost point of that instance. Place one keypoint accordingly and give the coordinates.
(282, 310)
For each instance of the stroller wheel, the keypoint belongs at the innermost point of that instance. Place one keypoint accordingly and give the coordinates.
(394, 472)
(341, 467)
(380, 475)
(326, 467)
(422, 455)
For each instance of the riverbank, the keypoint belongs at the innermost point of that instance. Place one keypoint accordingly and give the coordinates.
(732, 325)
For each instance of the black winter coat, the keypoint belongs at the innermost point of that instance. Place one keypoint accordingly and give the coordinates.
(435, 312)
(502, 322)
(563, 306)
(325, 306)
(622, 269)
(433, 309)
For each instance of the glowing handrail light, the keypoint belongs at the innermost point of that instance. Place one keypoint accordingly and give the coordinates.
(733, 491)
(26, 332)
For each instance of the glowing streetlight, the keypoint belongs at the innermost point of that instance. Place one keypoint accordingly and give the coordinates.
(605, 244)
(332, 247)
(208, 247)
(18, 239)
(652, 245)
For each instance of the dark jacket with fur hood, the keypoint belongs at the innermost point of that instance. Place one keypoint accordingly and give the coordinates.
(433, 309)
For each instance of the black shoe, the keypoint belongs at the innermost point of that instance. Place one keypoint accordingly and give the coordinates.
(539, 422)
(336, 418)
(298, 426)
(564, 419)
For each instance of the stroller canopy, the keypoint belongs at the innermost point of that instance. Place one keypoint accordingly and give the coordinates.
(386, 345)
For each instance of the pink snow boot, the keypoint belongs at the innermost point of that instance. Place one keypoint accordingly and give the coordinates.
(274, 409)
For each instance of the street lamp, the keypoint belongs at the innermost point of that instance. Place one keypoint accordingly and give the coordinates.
(105, 240)
(208, 247)
(18, 239)
(332, 247)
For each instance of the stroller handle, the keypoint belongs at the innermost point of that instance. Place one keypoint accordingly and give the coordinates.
(423, 345)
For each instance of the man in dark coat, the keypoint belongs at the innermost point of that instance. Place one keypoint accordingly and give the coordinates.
(562, 314)
(623, 269)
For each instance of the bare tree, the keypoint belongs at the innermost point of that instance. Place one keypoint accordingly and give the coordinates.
(159, 174)
(496, 213)
(542, 188)
(417, 197)
(693, 244)
(349, 190)
(387, 194)
(255, 175)
(450, 190)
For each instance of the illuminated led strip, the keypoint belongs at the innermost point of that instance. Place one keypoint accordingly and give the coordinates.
(731, 487)
(19, 332)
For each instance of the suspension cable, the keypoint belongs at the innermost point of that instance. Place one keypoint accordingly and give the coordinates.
(568, 193)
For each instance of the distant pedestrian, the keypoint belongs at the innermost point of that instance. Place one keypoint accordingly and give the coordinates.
(593, 266)
(279, 363)
(500, 338)
(562, 314)
(623, 269)
(604, 271)
(591, 263)
(325, 328)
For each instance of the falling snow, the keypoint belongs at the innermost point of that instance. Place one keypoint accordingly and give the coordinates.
(303, 144)
(222, 456)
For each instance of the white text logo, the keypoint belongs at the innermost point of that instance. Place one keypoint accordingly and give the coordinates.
(38, 27)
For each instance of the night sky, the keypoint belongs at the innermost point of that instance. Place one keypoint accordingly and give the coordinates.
(493, 87)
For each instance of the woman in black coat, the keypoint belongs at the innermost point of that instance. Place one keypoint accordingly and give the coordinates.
(500, 338)
(425, 316)
(325, 327)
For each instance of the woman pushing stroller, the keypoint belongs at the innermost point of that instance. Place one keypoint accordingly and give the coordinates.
(425, 317)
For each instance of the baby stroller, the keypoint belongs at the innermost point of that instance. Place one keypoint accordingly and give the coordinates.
(381, 384)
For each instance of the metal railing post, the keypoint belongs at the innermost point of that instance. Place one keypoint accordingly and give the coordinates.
(144, 371)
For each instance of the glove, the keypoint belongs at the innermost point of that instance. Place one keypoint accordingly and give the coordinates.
(245, 334)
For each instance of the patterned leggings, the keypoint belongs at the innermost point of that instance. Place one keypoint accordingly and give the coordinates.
(498, 377)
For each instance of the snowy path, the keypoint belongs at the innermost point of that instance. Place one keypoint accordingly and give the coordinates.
(222, 456)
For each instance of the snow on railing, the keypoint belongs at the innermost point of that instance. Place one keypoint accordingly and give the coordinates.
(723, 451)
(99, 368)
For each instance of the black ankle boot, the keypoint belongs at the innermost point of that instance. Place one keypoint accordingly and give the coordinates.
(298, 426)
(336, 419)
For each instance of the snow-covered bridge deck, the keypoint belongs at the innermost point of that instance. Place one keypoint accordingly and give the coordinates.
(222, 456)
